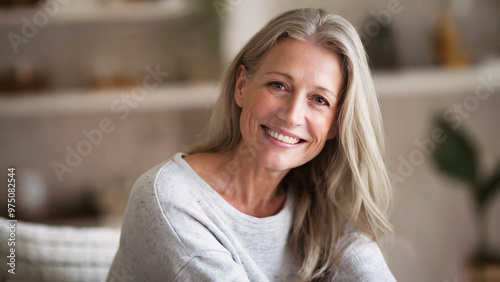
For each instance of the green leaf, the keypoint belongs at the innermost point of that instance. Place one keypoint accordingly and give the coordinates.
(456, 155)
(489, 188)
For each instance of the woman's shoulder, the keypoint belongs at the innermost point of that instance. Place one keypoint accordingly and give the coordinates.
(170, 181)
(166, 234)
(364, 261)
(169, 193)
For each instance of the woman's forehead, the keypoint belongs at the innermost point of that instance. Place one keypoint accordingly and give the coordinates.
(291, 51)
(303, 60)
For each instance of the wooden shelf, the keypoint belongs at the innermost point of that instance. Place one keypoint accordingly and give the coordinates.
(436, 81)
(403, 83)
(191, 95)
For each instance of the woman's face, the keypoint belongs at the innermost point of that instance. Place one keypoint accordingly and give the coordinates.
(289, 103)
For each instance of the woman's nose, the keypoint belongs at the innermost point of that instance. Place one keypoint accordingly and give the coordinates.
(293, 111)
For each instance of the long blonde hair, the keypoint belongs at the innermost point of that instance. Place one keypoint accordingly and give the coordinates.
(348, 181)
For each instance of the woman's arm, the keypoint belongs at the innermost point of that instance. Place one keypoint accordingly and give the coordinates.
(363, 262)
(168, 242)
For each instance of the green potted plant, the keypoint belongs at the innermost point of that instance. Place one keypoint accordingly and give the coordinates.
(457, 157)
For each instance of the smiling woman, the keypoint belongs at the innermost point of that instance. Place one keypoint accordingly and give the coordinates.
(292, 96)
(290, 182)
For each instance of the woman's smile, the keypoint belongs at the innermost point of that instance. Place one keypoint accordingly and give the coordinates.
(282, 138)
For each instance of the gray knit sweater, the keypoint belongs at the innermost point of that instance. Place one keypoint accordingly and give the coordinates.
(177, 228)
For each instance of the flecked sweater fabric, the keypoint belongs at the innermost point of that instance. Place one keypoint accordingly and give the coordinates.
(177, 228)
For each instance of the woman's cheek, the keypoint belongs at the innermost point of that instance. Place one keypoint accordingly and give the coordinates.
(323, 125)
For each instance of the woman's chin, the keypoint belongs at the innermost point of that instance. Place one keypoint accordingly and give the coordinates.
(277, 161)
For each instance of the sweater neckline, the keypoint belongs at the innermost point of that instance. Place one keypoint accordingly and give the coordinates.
(219, 202)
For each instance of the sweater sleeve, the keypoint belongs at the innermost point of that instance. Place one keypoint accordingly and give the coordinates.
(363, 262)
(165, 241)
(212, 267)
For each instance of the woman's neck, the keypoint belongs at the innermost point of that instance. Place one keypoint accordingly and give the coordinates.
(241, 181)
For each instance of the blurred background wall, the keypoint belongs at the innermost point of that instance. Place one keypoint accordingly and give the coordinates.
(94, 93)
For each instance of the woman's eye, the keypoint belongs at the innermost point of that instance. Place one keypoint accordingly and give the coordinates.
(278, 85)
(321, 100)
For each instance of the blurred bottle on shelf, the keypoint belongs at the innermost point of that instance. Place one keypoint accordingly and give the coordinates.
(450, 51)
(382, 49)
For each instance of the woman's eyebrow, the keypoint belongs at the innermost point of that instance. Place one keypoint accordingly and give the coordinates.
(327, 90)
(281, 73)
(291, 78)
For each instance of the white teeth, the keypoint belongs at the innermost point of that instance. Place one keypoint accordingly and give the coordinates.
(286, 139)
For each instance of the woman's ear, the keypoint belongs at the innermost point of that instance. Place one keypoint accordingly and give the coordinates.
(240, 85)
